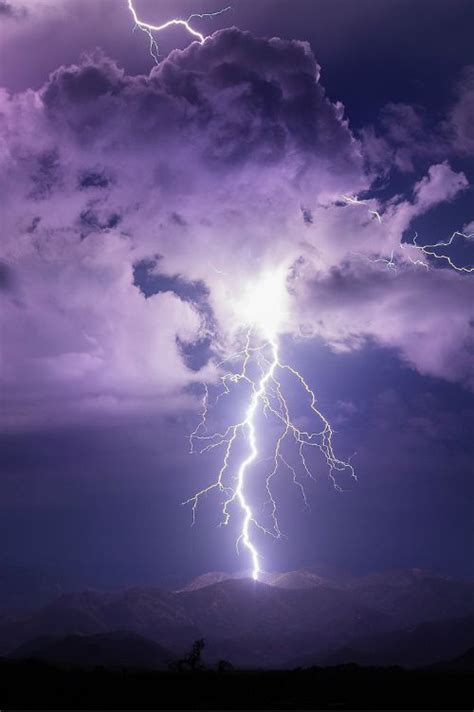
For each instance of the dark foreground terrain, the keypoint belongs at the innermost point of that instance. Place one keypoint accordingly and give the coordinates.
(299, 640)
(30, 684)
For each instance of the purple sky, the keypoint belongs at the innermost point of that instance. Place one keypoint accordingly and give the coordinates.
(137, 201)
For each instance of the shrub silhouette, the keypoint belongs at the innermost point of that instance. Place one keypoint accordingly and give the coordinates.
(224, 666)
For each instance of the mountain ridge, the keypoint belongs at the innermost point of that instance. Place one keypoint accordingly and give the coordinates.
(257, 623)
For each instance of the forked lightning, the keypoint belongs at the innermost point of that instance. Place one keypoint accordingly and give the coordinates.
(149, 28)
(260, 355)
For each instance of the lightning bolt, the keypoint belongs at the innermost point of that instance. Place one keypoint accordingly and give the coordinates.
(355, 201)
(259, 368)
(149, 28)
(431, 251)
(389, 262)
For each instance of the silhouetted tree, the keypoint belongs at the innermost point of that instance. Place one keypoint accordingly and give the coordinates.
(192, 661)
(194, 657)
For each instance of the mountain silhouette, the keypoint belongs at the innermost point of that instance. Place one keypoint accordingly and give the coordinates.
(302, 616)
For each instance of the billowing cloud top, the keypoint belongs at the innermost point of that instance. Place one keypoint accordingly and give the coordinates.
(136, 208)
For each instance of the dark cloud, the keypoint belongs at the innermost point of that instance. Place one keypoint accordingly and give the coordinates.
(80, 85)
(9, 11)
(93, 179)
(307, 216)
(249, 99)
(90, 221)
(6, 8)
(46, 175)
(178, 219)
(6, 277)
(33, 225)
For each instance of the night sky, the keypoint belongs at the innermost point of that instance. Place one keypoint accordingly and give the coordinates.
(139, 201)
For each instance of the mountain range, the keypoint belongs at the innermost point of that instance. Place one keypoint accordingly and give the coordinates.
(300, 618)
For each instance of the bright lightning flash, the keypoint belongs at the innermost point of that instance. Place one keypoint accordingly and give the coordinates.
(149, 28)
(260, 315)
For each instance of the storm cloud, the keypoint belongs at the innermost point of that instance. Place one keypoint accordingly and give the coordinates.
(206, 170)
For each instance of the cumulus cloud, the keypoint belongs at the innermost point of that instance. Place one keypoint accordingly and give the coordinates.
(103, 171)
(425, 319)
(227, 160)
(441, 184)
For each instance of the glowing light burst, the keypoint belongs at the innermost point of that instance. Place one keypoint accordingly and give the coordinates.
(149, 28)
(258, 369)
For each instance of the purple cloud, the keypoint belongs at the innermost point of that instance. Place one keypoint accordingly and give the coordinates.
(206, 169)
